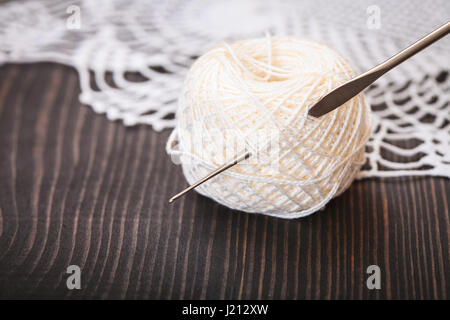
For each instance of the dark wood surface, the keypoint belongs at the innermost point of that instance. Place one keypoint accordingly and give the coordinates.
(78, 189)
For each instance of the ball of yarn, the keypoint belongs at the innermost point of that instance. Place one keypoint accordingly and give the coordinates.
(235, 92)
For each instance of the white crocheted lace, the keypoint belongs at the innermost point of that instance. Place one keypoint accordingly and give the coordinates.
(132, 57)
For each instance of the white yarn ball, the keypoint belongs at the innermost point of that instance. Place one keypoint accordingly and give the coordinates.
(235, 90)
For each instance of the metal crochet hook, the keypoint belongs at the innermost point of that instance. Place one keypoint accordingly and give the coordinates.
(351, 88)
(338, 96)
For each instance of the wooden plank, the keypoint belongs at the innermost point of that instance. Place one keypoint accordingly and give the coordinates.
(76, 188)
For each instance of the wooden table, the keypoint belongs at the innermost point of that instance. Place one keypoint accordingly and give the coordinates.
(77, 189)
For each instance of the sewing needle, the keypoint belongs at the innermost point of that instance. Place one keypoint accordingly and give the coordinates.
(222, 168)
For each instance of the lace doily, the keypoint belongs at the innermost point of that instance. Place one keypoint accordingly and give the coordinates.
(133, 55)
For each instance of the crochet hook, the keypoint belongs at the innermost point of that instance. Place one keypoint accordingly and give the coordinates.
(338, 96)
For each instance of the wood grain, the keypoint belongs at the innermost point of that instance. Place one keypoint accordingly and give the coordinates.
(76, 188)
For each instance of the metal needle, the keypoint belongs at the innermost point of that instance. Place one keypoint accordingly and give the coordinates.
(212, 174)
